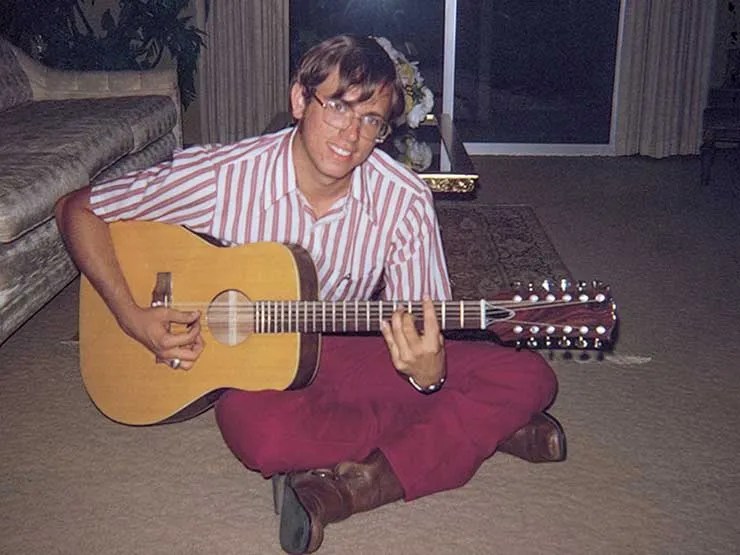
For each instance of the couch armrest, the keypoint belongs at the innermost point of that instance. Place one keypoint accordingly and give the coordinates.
(55, 84)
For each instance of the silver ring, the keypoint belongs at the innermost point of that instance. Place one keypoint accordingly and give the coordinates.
(175, 363)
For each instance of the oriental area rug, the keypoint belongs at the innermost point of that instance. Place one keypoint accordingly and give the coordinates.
(490, 246)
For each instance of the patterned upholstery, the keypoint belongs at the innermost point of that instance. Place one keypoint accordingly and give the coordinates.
(32, 270)
(92, 126)
(55, 146)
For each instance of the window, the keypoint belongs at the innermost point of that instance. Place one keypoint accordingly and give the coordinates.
(526, 72)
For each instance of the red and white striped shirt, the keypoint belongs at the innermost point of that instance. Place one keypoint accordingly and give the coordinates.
(246, 192)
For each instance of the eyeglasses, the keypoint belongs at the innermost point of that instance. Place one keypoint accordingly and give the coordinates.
(339, 114)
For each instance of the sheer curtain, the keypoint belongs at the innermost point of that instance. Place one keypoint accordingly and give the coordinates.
(663, 76)
(243, 71)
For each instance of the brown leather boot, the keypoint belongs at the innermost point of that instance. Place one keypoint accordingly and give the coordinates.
(540, 440)
(316, 498)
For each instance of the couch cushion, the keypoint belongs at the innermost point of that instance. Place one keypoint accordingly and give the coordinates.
(49, 148)
(30, 183)
(145, 118)
(14, 85)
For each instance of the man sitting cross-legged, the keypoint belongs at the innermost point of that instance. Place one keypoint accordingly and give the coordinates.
(401, 415)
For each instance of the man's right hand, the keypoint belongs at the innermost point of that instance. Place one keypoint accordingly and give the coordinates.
(168, 333)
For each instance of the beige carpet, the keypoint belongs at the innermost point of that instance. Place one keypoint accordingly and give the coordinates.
(653, 429)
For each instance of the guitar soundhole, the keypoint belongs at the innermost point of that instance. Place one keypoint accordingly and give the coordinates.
(230, 317)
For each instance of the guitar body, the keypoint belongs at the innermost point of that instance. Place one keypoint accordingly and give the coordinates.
(123, 378)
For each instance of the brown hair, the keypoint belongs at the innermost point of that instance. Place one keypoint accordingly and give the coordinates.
(361, 62)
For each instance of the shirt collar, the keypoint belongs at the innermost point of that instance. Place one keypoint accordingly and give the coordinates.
(281, 173)
(283, 180)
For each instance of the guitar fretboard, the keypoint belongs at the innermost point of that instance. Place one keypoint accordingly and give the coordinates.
(359, 316)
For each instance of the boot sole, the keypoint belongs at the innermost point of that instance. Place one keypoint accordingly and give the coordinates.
(295, 524)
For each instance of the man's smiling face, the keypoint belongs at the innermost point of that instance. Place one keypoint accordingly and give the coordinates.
(325, 154)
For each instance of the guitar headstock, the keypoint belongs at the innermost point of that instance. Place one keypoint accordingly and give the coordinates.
(555, 315)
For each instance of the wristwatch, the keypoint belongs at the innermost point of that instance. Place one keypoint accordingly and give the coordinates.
(428, 389)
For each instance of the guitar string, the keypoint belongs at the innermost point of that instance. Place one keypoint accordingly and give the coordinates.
(276, 320)
(375, 308)
(299, 310)
(277, 328)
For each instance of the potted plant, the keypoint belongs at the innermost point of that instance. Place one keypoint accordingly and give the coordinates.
(59, 34)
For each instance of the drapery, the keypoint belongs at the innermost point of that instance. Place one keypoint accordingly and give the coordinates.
(243, 71)
(663, 76)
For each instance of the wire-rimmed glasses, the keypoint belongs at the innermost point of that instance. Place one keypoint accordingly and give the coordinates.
(339, 114)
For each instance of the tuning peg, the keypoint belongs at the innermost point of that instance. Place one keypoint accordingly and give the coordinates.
(532, 343)
(564, 342)
(565, 284)
(597, 284)
(582, 343)
(548, 285)
(581, 286)
(598, 344)
(517, 288)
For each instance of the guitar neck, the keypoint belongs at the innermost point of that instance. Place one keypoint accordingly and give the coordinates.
(363, 316)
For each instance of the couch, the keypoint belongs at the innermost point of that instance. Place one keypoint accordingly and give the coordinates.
(59, 131)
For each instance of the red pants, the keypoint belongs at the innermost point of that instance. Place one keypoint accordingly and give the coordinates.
(358, 403)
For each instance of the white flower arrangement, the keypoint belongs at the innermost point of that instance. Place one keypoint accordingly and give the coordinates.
(419, 99)
(415, 154)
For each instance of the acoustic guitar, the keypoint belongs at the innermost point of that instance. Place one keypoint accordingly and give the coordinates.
(262, 321)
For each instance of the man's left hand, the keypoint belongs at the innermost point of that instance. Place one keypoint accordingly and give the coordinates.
(421, 356)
